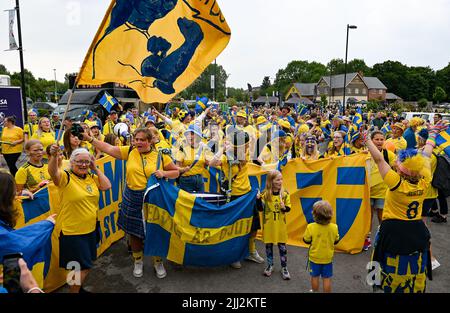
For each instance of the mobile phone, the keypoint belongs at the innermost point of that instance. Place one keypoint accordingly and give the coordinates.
(11, 272)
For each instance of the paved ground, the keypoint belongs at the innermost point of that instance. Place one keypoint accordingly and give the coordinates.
(113, 273)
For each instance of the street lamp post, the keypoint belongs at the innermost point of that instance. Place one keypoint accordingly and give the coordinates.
(345, 67)
(56, 90)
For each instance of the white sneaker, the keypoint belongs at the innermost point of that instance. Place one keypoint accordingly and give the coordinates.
(236, 265)
(138, 269)
(255, 257)
(160, 270)
(435, 264)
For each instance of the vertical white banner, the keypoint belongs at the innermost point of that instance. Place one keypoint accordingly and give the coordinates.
(12, 39)
(213, 85)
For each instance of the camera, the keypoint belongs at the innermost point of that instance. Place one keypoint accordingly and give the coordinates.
(77, 130)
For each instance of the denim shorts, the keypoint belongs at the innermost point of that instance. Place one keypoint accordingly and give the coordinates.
(192, 183)
(377, 203)
(324, 270)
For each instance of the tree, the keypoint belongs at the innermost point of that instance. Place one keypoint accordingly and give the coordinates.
(298, 72)
(422, 103)
(3, 70)
(336, 67)
(358, 65)
(323, 100)
(202, 85)
(439, 94)
(443, 79)
(393, 74)
(265, 84)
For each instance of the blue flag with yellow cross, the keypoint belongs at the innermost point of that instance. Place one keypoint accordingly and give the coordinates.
(156, 47)
(187, 230)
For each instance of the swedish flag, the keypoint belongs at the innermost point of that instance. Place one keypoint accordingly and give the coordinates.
(108, 101)
(187, 230)
(443, 141)
(201, 104)
(357, 119)
(386, 128)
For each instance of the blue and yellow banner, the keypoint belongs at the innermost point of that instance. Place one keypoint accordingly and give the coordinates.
(187, 230)
(158, 48)
(46, 202)
(443, 141)
(342, 181)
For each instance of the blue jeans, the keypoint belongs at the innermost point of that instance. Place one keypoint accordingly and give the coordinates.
(192, 183)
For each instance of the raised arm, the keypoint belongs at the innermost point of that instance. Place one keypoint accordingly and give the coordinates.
(53, 168)
(113, 151)
(104, 183)
(378, 158)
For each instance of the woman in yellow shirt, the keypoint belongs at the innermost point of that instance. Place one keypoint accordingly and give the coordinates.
(191, 161)
(79, 191)
(34, 174)
(310, 151)
(12, 138)
(403, 239)
(143, 161)
(45, 133)
(337, 146)
(233, 159)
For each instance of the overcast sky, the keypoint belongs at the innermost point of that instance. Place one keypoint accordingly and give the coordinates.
(266, 35)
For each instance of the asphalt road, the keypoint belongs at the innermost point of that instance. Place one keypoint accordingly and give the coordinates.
(113, 273)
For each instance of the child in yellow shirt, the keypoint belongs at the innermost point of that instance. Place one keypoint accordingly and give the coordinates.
(322, 236)
(275, 202)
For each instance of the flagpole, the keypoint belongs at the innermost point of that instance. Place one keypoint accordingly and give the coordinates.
(67, 107)
(22, 67)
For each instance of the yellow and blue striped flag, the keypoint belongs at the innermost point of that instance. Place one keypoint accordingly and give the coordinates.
(108, 101)
(443, 141)
(357, 119)
(187, 230)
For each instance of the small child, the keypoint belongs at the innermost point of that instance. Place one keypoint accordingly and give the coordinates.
(322, 236)
(275, 202)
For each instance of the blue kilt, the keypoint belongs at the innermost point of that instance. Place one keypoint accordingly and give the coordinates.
(130, 214)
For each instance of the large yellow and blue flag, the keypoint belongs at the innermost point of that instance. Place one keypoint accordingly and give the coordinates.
(443, 141)
(156, 47)
(187, 230)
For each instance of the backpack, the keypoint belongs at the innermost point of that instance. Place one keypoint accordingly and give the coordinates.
(441, 177)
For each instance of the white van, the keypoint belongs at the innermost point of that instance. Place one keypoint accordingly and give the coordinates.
(427, 116)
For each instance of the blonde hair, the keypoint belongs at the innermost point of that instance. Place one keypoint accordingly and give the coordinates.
(269, 185)
(31, 143)
(322, 212)
(39, 131)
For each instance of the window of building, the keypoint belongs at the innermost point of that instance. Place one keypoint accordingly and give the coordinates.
(356, 91)
(364, 91)
(380, 91)
(349, 91)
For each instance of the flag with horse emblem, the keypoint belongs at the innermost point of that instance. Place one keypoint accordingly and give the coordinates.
(158, 48)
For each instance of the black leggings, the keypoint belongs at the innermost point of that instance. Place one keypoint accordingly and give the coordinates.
(442, 204)
(11, 160)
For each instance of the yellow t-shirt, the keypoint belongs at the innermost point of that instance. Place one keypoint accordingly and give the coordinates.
(322, 239)
(10, 135)
(141, 166)
(30, 128)
(30, 175)
(378, 187)
(46, 138)
(188, 155)
(79, 203)
(400, 143)
(240, 184)
(404, 200)
(274, 220)
(108, 128)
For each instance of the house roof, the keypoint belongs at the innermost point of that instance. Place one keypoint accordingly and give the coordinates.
(306, 89)
(374, 83)
(264, 99)
(391, 96)
(296, 100)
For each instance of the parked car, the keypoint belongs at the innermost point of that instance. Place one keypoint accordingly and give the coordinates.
(45, 108)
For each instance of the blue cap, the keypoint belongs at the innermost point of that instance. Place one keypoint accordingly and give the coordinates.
(279, 133)
(151, 118)
(194, 129)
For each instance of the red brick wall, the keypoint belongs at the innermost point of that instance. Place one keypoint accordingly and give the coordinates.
(375, 95)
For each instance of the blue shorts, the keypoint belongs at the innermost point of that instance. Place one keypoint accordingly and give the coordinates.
(377, 203)
(324, 270)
